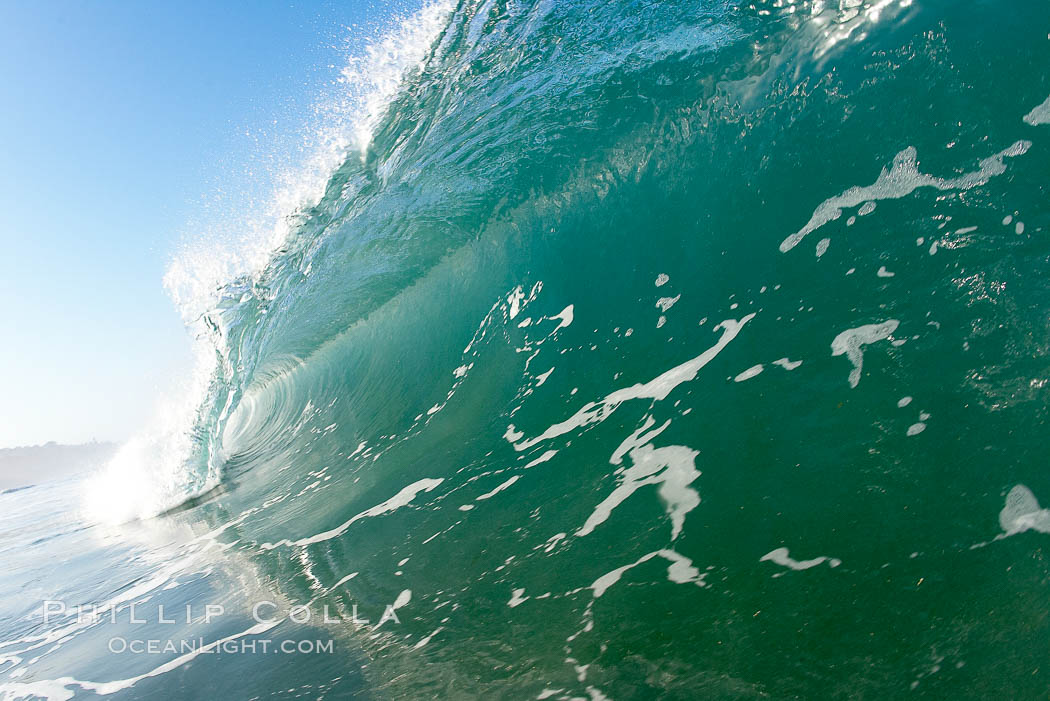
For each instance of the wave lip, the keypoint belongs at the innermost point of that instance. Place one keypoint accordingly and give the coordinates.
(219, 289)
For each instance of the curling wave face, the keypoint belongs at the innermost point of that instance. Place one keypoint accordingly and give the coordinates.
(646, 350)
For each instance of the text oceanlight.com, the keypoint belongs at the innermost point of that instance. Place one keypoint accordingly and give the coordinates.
(120, 645)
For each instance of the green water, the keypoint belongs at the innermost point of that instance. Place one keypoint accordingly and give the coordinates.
(521, 362)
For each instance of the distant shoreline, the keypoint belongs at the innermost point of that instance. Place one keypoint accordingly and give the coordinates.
(31, 465)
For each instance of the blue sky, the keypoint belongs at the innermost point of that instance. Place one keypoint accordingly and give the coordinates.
(119, 122)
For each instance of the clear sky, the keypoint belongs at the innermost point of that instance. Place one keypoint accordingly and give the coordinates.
(119, 122)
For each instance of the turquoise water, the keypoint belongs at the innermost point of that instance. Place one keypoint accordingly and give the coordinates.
(638, 350)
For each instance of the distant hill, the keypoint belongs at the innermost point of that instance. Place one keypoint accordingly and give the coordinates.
(20, 467)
